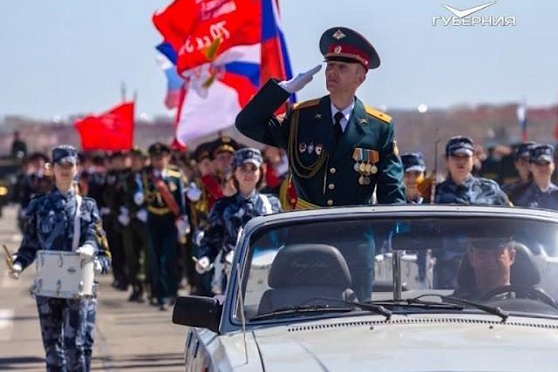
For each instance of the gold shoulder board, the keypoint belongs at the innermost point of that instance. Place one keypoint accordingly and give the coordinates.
(378, 114)
(305, 104)
(173, 173)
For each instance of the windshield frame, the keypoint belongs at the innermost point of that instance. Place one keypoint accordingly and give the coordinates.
(258, 226)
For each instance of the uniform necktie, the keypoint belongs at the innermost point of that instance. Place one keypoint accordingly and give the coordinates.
(337, 130)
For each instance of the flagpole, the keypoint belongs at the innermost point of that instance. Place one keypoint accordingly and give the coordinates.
(123, 91)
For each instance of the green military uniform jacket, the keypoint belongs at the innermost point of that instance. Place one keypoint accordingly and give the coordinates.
(324, 172)
(155, 202)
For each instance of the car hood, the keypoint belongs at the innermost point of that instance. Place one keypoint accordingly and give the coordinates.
(411, 343)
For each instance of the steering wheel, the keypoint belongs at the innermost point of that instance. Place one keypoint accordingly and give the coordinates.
(532, 293)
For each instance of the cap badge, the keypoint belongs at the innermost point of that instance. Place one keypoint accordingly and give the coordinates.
(338, 35)
(337, 49)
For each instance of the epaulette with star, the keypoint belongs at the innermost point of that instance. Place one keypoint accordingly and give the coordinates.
(378, 114)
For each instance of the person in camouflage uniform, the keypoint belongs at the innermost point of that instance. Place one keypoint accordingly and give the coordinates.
(230, 214)
(540, 192)
(50, 226)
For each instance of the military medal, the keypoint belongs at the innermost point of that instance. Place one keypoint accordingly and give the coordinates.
(361, 180)
(356, 166)
(373, 169)
(368, 168)
(362, 167)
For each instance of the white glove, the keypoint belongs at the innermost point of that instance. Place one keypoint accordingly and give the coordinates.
(86, 251)
(124, 219)
(182, 225)
(138, 198)
(203, 265)
(193, 193)
(198, 236)
(142, 215)
(300, 80)
(14, 274)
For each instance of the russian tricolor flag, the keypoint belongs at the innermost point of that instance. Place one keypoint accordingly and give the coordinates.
(223, 73)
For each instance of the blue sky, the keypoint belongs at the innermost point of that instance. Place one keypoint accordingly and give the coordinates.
(61, 57)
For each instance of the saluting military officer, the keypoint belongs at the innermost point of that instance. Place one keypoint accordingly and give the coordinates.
(340, 150)
(164, 195)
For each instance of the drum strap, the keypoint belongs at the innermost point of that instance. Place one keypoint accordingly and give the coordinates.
(266, 204)
(77, 229)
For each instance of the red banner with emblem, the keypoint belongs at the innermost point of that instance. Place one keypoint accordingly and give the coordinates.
(199, 31)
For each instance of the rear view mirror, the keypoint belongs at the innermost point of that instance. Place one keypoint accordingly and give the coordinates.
(197, 311)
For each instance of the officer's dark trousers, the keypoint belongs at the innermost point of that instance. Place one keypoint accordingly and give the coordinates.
(63, 329)
(116, 245)
(135, 239)
(162, 256)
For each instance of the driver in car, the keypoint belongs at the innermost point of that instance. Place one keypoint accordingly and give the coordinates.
(491, 265)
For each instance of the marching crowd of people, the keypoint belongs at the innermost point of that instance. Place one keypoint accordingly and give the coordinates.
(169, 219)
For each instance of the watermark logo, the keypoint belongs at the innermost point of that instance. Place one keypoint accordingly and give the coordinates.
(466, 17)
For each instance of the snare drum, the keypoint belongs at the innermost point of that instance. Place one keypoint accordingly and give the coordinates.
(64, 275)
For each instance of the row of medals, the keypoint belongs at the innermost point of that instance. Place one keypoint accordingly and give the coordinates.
(365, 169)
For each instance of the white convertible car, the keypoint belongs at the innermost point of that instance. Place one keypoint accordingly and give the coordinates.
(386, 288)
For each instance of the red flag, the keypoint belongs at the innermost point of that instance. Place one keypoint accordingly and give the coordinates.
(200, 31)
(112, 130)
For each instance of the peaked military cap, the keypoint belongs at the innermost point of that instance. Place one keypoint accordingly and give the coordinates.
(460, 145)
(158, 148)
(136, 151)
(203, 151)
(64, 154)
(346, 45)
(248, 155)
(413, 162)
(523, 149)
(541, 153)
(224, 144)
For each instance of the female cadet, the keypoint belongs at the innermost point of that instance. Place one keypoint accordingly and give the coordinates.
(50, 226)
(230, 214)
(460, 187)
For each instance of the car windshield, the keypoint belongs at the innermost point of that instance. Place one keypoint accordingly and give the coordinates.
(327, 263)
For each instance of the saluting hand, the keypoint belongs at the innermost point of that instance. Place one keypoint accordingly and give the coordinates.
(300, 80)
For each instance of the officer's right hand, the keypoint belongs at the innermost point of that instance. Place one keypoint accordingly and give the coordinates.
(203, 265)
(300, 80)
(14, 274)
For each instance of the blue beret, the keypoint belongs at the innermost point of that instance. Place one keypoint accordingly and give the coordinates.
(460, 145)
(541, 153)
(248, 155)
(413, 162)
(64, 154)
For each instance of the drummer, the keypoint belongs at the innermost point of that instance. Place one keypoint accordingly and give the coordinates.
(50, 226)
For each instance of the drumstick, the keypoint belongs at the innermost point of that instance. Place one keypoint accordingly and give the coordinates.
(9, 261)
